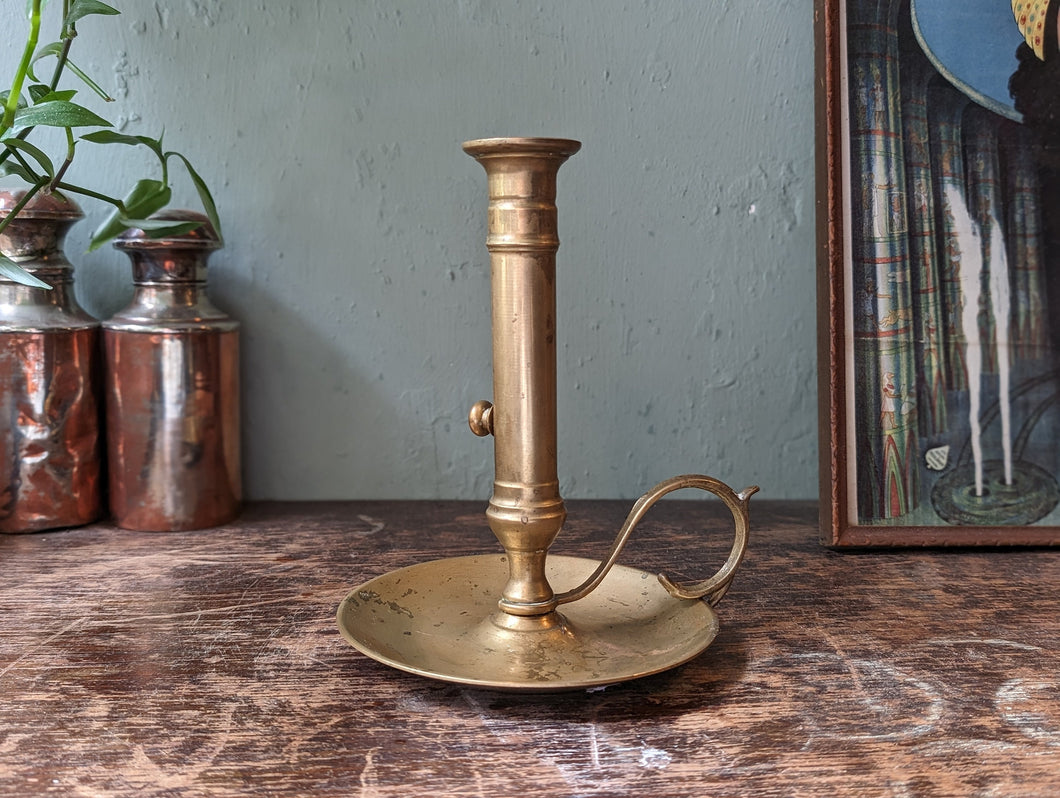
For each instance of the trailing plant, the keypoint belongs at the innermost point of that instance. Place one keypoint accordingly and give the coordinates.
(31, 103)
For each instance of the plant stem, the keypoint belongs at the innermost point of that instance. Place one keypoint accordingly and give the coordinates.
(67, 36)
(22, 161)
(64, 54)
(66, 164)
(20, 135)
(59, 67)
(22, 203)
(23, 67)
(72, 189)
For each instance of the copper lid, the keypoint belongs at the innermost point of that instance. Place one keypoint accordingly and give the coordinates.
(44, 205)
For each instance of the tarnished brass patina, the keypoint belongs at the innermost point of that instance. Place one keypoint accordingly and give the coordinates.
(493, 621)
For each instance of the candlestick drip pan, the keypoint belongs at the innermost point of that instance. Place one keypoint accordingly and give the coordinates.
(440, 619)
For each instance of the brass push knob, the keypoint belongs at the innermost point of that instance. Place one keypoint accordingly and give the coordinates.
(480, 419)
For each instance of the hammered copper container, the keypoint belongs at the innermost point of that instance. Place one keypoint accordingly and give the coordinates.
(50, 438)
(172, 390)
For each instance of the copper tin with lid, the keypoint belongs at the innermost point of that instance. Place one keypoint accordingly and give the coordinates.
(50, 438)
(172, 389)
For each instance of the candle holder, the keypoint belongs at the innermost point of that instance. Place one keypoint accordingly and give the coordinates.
(494, 621)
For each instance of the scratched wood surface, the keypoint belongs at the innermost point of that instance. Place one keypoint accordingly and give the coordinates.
(208, 663)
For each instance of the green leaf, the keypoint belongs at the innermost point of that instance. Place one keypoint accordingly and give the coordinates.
(42, 94)
(56, 48)
(59, 113)
(205, 197)
(52, 48)
(12, 271)
(12, 167)
(149, 225)
(5, 94)
(146, 197)
(34, 152)
(160, 228)
(113, 137)
(88, 81)
(82, 8)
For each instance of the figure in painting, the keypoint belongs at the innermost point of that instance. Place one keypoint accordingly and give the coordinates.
(889, 403)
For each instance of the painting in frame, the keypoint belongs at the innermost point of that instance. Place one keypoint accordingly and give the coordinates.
(938, 204)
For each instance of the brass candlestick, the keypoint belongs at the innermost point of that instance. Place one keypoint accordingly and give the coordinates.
(493, 621)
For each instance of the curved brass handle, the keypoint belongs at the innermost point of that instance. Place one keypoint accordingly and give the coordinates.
(712, 589)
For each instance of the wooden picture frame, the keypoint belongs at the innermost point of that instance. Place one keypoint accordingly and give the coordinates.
(938, 208)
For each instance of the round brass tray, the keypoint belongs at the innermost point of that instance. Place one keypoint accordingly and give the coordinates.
(440, 619)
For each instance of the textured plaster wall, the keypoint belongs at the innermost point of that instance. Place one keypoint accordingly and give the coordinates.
(355, 258)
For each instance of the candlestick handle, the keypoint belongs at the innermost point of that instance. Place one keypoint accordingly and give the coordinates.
(712, 589)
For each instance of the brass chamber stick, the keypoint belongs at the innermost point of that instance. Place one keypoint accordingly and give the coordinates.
(493, 621)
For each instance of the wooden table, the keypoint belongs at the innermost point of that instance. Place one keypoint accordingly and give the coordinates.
(209, 663)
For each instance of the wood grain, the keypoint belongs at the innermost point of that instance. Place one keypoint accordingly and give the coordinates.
(209, 663)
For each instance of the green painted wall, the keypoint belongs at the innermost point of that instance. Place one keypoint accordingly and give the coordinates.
(356, 256)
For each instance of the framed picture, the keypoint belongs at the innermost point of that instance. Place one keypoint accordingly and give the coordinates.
(939, 271)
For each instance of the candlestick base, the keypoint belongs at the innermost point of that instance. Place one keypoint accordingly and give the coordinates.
(440, 619)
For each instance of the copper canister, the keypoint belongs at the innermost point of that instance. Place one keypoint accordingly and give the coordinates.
(50, 438)
(172, 389)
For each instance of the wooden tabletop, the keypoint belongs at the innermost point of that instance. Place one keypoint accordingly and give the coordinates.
(209, 663)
